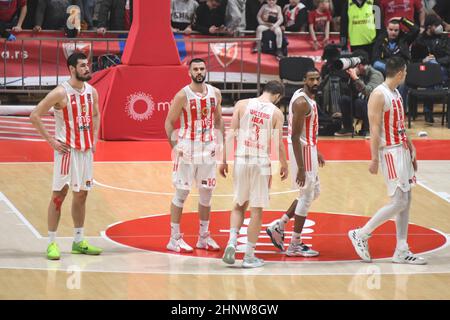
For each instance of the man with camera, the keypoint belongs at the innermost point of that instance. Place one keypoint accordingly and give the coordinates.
(363, 78)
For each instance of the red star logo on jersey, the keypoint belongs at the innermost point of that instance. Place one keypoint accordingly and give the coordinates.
(205, 111)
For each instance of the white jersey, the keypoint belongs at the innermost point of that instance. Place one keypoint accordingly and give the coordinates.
(74, 125)
(197, 120)
(393, 120)
(255, 130)
(311, 126)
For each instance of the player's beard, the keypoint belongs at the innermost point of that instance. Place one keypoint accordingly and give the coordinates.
(313, 89)
(198, 79)
(83, 78)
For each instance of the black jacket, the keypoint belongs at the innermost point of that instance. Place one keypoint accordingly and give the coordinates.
(437, 45)
(205, 18)
(115, 9)
(52, 15)
(381, 50)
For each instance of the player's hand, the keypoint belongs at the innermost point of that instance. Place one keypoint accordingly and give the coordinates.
(223, 169)
(373, 167)
(284, 172)
(60, 147)
(301, 177)
(320, 159)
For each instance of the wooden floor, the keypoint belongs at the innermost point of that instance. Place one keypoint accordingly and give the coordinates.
(126, 190)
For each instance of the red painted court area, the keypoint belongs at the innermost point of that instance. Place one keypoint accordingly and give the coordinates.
(26, 151)
(327, 232)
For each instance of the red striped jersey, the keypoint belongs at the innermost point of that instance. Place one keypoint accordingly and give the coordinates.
(393, 120)
(197, 118)
(74, 124)
(311, 126)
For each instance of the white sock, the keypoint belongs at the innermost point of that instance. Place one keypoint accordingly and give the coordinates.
(401, 224)
(174, 229)
(204, 226)
(296, 238)
(78, 234)
(233, 236)
(250, 249)
(51, 236)
(284, 220)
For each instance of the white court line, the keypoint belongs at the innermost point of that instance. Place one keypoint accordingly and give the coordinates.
(49, 129)
(439, 194)
(22, 139)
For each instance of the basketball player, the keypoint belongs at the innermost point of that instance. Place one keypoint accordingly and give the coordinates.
(198, 106)
(390, 145)
(303, 126)
(255, 122)
(75, 105)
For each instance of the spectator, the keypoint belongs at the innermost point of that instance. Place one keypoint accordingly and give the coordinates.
(336, 10)
(442, 9)
(270, 17)
(12, 14)
(394, 42)
(115, 15)
(438, 51)
(5, 34)
(183, 13)
(235, 15)
(28, 22)
(403, 8)
(52, 14)
(210, 18)
(363, 79)
(358, 25)
(251, 11)
(87, 12)
(319, 21)
(295, 16)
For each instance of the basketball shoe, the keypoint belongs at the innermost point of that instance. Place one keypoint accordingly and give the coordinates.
(83, 247)
(207, 243)
(229, 254)
(276, 234)
(300, 249)
(360, 244)
(407, 257)
(177, 244)
(53, 252)
(252, 262)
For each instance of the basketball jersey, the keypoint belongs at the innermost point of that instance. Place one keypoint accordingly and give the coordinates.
(255, 130)
(393, 119)
(197, 120)
(74, 124)
(311, 126)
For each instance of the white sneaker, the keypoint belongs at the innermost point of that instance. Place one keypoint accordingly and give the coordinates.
(207, 243)
(229, 254)
(300, 249)
(406, 256)
(177, 244)
(276, 234)
(360, 244)
(252, 262)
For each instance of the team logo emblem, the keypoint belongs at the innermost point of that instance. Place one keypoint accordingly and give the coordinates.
(130, 106)
(225, 53)
(71, 47)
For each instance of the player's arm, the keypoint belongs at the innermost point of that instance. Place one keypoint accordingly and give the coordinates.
(53, 98)
(278, 134)
(95, 119)
(173, 115)
(375, 113)
(218, 123)
(299, 110)
(413, 152)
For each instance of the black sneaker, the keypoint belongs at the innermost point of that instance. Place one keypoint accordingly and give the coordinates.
(343, 133)
(363, 133)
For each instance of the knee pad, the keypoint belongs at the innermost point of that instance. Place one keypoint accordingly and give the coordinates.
(180, 197)
(205, 196)
(303, 204)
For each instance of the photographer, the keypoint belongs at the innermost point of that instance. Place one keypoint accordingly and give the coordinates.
(363, 79)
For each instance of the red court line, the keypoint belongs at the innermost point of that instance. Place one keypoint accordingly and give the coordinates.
(26, 151)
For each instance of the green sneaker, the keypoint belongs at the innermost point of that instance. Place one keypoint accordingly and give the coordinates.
(53, 251)
(83, 247)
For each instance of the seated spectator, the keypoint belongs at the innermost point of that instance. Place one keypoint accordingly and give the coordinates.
(403, 8)
(12, 14)
(442, 9)
(270, 17)
(319, 21)
(235, 15)
(182, 15)
(52, 14)
(437, 51)
(252, 8)
(210, 18)
(295, 16)
(114, 15)
(363, 80)
(394, 42)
